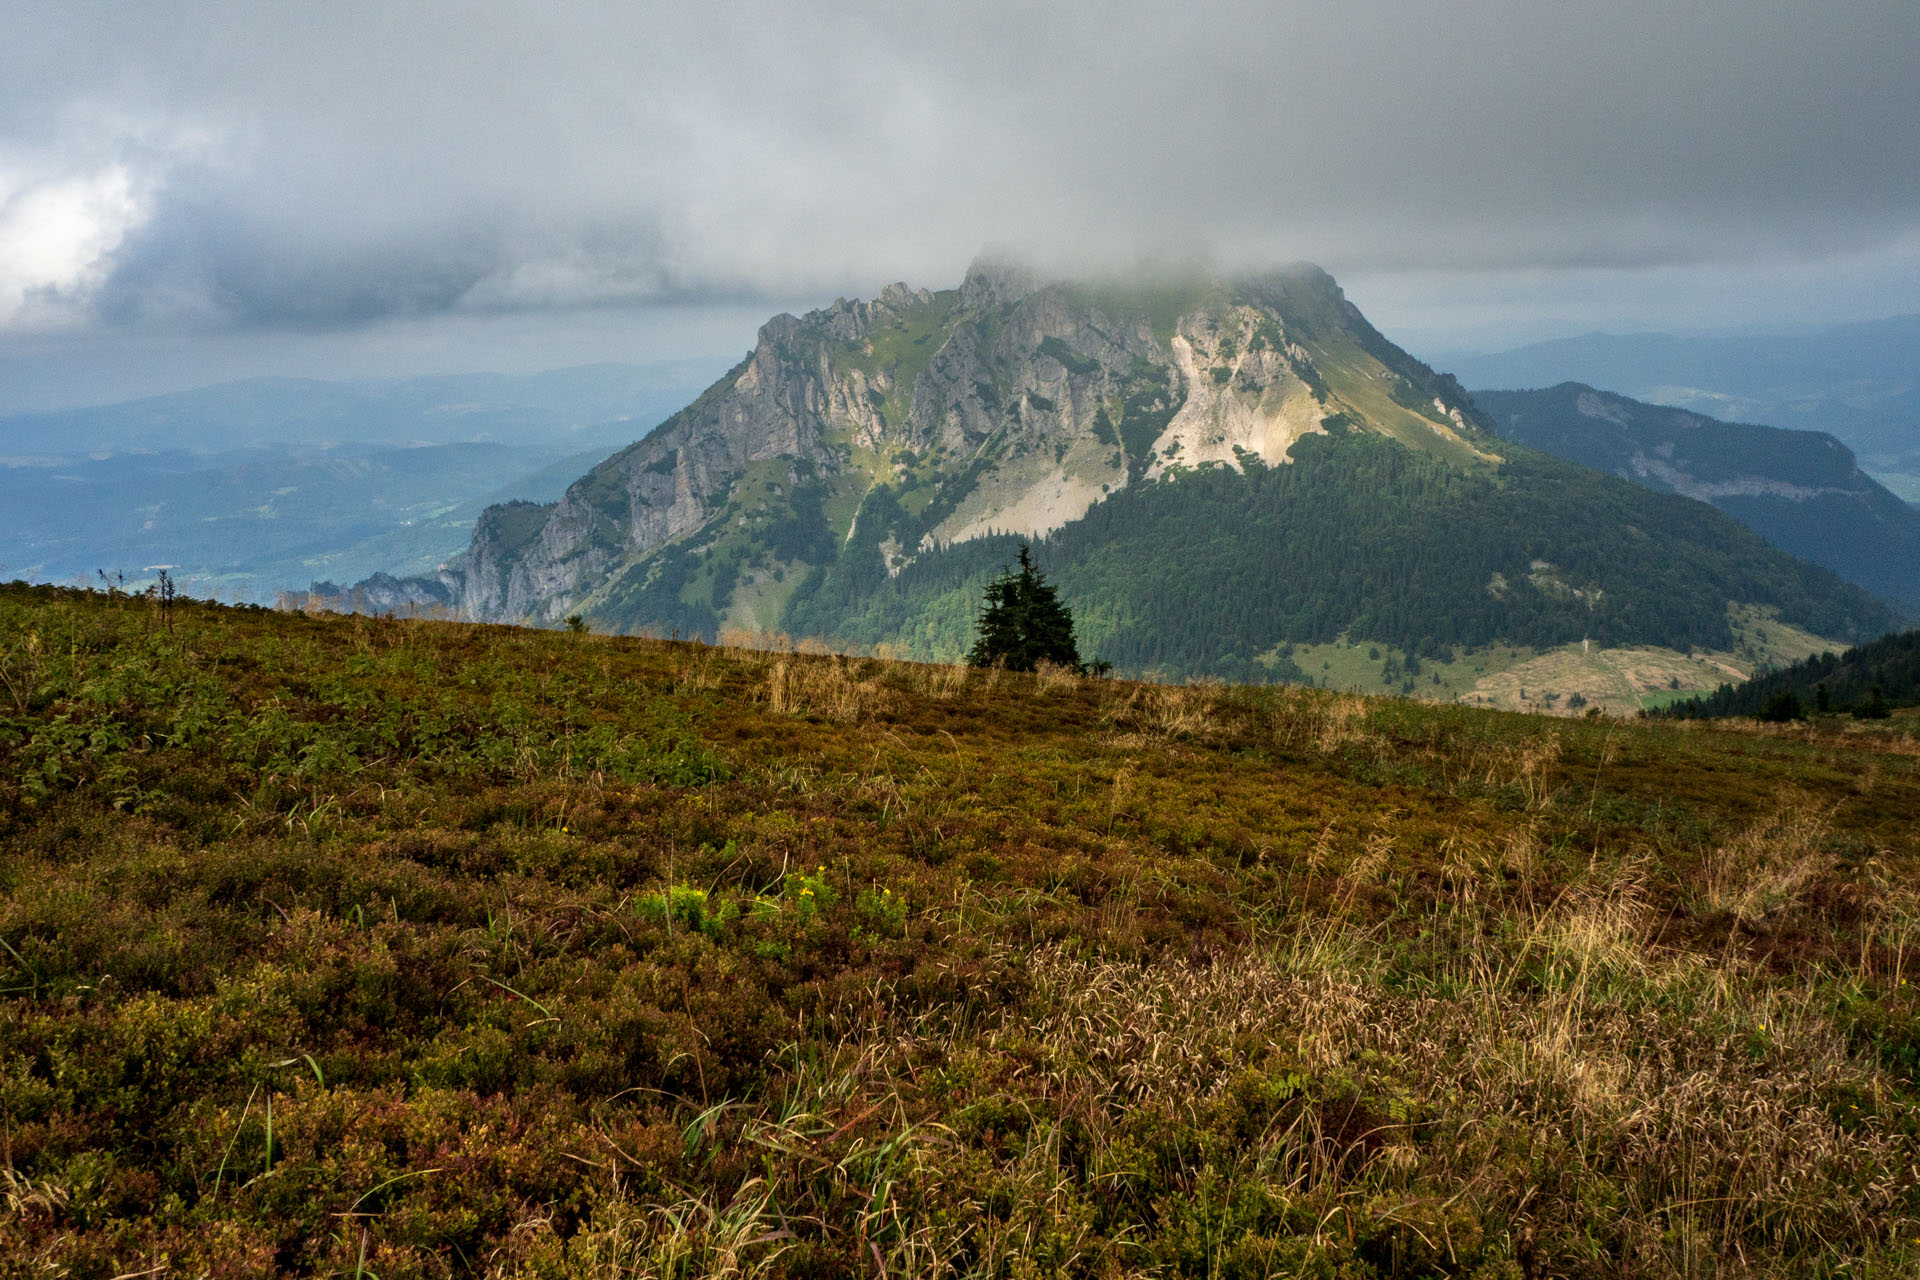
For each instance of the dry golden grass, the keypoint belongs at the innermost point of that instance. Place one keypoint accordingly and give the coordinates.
(1341, 722)
(1596, 930)
(1050, 677)
(1161, 712)
(698, 672)
(1892, 909)
(746, 639)
(943, 680)
(843, 690)
(1691, 1126)
(1764, 867)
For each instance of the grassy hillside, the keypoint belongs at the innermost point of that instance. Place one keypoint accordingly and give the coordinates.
(1568, 680)
(348, 946)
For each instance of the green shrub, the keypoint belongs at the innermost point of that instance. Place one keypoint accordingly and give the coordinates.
(688, 908)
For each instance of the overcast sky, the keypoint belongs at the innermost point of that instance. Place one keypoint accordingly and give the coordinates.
(191, 191)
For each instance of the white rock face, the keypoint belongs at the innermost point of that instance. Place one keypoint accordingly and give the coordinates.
(1590, 405)
(1686, 486)
(1262, 406)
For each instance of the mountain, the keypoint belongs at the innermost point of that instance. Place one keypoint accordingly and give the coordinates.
(1219, 469)
(1876, 676)
(1861, 382)
(1800, 490)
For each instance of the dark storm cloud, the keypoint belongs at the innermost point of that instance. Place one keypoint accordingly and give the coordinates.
(260, 164)
(212, 262)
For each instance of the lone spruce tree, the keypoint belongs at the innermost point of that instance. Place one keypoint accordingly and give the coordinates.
(1024, 623)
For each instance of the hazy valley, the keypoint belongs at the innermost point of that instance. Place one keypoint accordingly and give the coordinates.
(248, 489)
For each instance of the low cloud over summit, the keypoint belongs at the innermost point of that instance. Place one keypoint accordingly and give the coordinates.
(236, 166)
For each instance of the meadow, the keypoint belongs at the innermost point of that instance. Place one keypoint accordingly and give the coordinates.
(346, 946)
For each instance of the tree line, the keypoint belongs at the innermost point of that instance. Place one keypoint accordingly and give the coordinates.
(1869, 680)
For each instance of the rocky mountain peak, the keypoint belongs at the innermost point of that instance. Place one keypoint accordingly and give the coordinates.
(778, 331)
(996, 280)
(899, 295)
(921, 420)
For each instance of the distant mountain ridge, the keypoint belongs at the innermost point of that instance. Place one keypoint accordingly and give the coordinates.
(1220, 468)
(1800, 490)
(1858, 382)
(493, 408)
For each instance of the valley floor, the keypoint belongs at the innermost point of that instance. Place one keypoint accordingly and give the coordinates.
(349, 946)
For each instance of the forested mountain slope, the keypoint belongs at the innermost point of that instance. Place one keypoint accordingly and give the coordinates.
(1207, 575)
(1800, 490)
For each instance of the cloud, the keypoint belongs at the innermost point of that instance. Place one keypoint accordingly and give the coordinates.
(69, 202)
(55, 235)
(356, 161)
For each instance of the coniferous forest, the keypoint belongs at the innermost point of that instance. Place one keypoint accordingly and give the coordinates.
(1869, 679)
(1203, 573)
